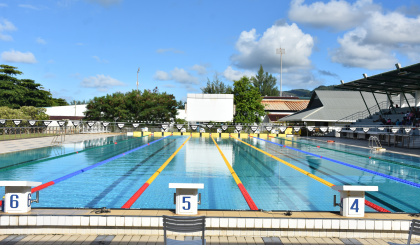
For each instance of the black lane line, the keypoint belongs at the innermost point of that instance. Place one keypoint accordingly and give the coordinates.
(287, 183)
(346, 183)
(124, 176)
(273, 185)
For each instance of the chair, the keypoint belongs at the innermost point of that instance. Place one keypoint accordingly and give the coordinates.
(184, 225)
(414, 229)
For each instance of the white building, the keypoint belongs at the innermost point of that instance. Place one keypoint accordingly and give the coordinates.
(210, 108)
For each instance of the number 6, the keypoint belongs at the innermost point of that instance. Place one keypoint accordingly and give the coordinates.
(14, 203)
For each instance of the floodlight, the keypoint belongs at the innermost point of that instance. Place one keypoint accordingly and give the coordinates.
(365, 75)
(398, 65)
(342, 82)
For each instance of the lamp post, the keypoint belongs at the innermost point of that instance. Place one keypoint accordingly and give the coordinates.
(281, 51)
(138, 70)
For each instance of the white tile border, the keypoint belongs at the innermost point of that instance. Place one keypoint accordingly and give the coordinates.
(220, 226)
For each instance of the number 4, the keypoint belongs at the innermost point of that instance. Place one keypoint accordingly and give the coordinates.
(355, 205)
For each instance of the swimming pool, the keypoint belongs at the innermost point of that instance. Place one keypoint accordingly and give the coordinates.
(116, 174)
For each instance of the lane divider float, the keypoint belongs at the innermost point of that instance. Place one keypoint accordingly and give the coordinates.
(288, 164)
(352, 153)
(21, 164)
(367, 203)
(140, 191)
(417, 185)
(244, 192)
(50, 183)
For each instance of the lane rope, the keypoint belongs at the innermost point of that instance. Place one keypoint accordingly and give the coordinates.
(407, 182)
(140, 191)
(288, 164)
(242, 188)
(58, 180)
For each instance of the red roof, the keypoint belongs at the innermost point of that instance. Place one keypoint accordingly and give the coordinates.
(284, 105)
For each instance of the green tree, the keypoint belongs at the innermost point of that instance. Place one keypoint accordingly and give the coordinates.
(180, 105)
(138, 106)
(247, 101)
(216, 87)
(265, 83)
(15, 93)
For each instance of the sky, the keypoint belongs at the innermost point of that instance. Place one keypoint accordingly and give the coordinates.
(81, 49)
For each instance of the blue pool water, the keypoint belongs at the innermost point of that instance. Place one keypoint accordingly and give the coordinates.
(271, 184)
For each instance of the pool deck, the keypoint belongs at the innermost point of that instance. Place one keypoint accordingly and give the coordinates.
(84, 226)
(7, 146)
(158, 240)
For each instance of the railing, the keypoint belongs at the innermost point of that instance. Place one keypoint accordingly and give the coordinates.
(367, 113)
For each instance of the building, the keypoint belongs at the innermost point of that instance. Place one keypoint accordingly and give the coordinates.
(279, 107)
(327, 107)
(209, 108)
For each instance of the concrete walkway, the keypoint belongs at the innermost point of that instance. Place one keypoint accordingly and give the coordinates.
(7, 146)
(158, 240)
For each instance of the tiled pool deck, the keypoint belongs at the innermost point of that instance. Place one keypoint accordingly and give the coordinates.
(84, 226)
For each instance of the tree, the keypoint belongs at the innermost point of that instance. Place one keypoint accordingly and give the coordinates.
(180, 105)
(25, 112)
(137, 106)
(216, 87)
(15, 93)
(247, 101)
(265, 83)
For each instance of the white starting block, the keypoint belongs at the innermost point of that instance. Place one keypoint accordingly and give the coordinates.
(352, 199)
(18, 196)
(186, 197)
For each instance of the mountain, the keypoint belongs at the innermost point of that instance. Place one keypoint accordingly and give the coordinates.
(305, 92)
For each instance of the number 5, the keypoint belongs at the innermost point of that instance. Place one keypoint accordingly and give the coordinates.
(184, 200)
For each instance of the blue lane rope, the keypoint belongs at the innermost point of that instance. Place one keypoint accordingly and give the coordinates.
(103, 162)
(348, 165)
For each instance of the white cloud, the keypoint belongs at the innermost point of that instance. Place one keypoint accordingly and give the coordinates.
(200, 69)
(102, 83)
(335, 14)
(18, 57)
(354, 52)
(182, 76)
(255, 50)
(178, 75)
(169, 50)
(161, 76)
(28, 6)
(99, 59)
(80, 44)
(3, 5)
(105, 3)
(376, 42)
(6, 25)
(40, 40)
(234, 75)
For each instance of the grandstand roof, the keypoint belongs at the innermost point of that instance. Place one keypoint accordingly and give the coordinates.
(403, 79)
(331, 106)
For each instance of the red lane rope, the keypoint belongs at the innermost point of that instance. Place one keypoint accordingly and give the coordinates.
(376, 207)
(136, 195)
(247, 197)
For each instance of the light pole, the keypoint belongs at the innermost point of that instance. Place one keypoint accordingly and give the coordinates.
(138, 70)
(281, 51)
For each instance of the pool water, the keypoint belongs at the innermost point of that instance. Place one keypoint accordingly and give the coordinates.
(271, 184)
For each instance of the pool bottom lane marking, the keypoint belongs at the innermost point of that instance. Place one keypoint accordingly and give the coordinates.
(50, 183)
(288, 164)
(407, 182)
(244, 192)
(140, 191)
(368, 203)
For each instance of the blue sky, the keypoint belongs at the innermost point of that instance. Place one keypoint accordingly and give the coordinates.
(79, 49)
